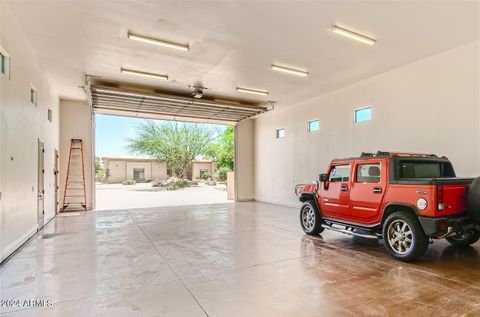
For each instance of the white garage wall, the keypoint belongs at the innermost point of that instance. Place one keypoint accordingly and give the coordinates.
(21, 126)
(432, 105)
(244, 160)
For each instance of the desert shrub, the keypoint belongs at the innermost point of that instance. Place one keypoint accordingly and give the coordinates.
(206, 175)
(178, 183)
(129, 182)
(101, 173)
(159, 184)
(222, 173)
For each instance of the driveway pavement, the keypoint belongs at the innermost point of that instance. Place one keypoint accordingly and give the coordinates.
(143, 195)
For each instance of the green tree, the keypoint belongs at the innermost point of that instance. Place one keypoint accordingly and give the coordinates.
(99, 170)
(177, 144)
(225, 156)
(222, 152)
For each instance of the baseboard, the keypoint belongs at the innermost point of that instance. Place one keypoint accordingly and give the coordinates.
(268, 202)
(278, 203)
(49, 219)
(244, 200)
(15, 245)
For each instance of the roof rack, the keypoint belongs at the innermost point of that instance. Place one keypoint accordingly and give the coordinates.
(365, 154)
(378, 154)
(414, 154)
(391, 154)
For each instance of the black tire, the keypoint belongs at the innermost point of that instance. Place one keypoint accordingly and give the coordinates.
(474, 201)
(462, 240)
(404, 237)
(310, 219)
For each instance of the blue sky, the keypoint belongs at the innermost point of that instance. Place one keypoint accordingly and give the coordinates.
(112, 133)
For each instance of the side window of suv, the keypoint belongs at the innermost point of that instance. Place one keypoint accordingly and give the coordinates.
(339, 173)
(368, 173)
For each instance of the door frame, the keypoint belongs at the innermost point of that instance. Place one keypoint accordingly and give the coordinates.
(56, 173)
(41, 185)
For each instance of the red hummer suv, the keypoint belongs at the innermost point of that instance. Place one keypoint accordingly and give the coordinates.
(405, 199)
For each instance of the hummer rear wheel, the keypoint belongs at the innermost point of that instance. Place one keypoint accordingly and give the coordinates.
(404, 237)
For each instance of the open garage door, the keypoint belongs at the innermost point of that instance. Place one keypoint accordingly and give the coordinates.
(114, 99)
(109, 99)
(148, 163)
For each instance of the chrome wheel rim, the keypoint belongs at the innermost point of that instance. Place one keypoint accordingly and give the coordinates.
(308, 218)
(400, 237)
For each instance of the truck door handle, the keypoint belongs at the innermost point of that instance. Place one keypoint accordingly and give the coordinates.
(344, 188)
(377, 190)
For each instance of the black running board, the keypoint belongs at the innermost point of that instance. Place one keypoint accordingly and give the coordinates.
(351, 232)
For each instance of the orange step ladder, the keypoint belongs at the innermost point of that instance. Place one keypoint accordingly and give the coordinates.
(74, 193)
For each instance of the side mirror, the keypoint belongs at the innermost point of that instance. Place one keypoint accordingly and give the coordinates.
(323, 177)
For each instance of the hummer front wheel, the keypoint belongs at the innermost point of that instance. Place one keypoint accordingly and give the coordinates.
(310, 219)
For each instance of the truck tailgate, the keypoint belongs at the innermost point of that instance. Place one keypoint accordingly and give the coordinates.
(452, 192)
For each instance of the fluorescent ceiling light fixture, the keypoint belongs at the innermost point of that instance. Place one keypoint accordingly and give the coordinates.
(290, 70)
(253, 91)
(160, 42)
(353, 35)
(144, 74)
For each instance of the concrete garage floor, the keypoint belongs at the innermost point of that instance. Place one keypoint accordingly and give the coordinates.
(243, 259)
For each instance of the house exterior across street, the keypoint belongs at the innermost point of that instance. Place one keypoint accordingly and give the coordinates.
(199, 167)
(119, 169)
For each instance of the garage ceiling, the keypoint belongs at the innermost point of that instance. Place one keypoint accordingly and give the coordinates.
(110, 98)
(235, 43)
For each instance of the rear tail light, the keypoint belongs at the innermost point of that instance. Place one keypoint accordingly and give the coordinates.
(440, 202)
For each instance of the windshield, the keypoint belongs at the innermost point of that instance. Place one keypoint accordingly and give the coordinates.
(422, 169)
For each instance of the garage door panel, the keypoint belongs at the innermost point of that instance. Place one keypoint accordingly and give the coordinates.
(130, 100)
(179, 111)
(99, 101)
